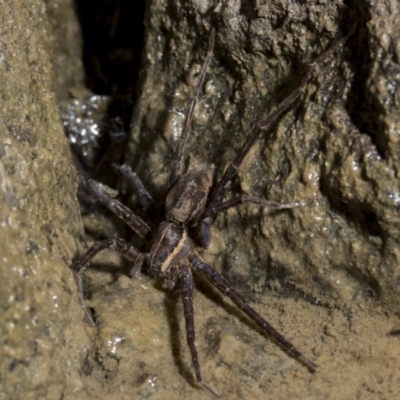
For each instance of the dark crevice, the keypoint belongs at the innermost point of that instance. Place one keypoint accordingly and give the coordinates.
(113, 36)
(360, 105)
(361, 214)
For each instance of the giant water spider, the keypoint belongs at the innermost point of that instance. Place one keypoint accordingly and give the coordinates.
(193, 201)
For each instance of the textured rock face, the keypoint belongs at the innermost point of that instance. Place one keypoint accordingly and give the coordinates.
(42, 340)
(335, 151)
(325, 273)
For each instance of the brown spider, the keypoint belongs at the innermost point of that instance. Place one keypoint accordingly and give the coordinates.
(192, 203)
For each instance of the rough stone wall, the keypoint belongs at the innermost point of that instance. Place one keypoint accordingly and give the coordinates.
(42, 338)
(336, 151)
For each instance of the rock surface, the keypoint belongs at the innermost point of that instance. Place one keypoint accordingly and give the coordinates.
(42, 338)
(326, 273)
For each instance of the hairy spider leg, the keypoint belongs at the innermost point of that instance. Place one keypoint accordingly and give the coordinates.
(121, 211)
(201, 231)
(145, 198)
(225, 288)
(118, 245)
(186, 284)
(176, 164)
(218, 191)
(245, 199)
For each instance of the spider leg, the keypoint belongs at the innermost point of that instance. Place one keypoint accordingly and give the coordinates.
(145, 199)
(201, 231)
(121, 211)
(186, 283)
(219, 188)
(176, 165)
(224, 287)
(118, 245)
(244, 199)
(122, 247)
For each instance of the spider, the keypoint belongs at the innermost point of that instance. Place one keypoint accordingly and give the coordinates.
(192, 203)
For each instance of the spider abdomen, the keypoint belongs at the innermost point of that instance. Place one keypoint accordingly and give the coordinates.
(171, 244)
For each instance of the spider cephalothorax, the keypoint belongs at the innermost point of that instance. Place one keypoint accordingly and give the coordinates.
(192, 203)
